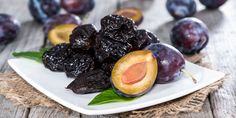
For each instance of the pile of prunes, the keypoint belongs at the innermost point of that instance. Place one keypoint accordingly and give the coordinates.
(91, 54)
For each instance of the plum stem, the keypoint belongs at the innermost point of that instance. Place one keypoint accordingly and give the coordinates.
(189, 75)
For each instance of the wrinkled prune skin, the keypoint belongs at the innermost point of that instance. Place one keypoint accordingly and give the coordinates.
(118, 28)
(9, 28)
(153, 37)
(83, 36)
(41, 10)
(107, 67)
(77, 64)
(108, 49)
(55, 57)
(60, 19)
(90, 82)
(142, 39)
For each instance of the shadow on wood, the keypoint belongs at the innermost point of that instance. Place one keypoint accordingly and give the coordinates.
(212, 18)
(163, 31)
(141, 4)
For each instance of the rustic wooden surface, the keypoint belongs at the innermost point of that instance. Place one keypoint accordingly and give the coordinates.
(221, 51)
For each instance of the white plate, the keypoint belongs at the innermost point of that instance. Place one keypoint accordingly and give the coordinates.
(53, 85)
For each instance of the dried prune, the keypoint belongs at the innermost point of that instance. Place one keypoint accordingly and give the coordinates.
(54, 58)
(153, 37)
(77, 64)
(118, 28)
(142, 39)
(82, 37)
(90, 82)
(107, 67)
(108, 49)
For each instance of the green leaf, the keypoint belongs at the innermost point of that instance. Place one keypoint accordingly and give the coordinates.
(33, 55)
(108, 96)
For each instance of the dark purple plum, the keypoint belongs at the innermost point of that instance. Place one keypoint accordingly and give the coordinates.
(212, 4)
(170, 62)
(189, 35)
(79, 7)
(41, 10)
(61, 19)
(181, 8)
(9, 28)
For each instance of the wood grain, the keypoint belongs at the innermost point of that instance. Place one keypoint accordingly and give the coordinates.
(221, 51)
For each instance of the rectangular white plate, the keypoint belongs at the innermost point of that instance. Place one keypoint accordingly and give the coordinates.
(53, 85)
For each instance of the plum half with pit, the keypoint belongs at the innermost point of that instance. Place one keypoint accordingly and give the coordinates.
(181, 8)
(189, 35)
(9, 28)
(59, 20)
(170, 62)
(78, 7)
(134, 74)
(213, 4)
(131, 12)
(41, 10)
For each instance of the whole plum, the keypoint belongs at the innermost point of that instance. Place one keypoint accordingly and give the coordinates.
(189, 35)
(41, 10)
(78, 7)
(213, 4)
(170, 62)
(181, 8)
(9, 28)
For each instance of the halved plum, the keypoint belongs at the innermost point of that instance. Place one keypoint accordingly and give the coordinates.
(61, 33)
(134, 74)
(133, 13)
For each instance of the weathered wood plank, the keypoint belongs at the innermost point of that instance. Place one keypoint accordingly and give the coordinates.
(222, 53)
(8, 110)
(44, 112)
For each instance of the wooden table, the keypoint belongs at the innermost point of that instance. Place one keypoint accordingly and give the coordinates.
(221, 50)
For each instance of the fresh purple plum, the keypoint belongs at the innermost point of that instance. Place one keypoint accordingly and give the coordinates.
(181, 8)
(9, 28)
(170, 62)
(41, 10)
(79, 7)
(61, 19)
(189, 35)
(213, 4)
